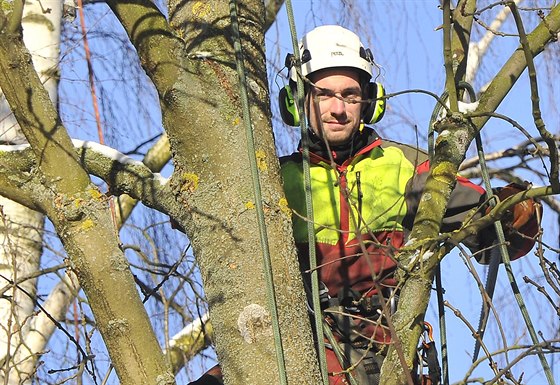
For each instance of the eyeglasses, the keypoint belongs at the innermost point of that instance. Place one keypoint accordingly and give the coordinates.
(350, 95)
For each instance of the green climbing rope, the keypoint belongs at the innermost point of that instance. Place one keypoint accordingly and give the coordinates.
(318, 318)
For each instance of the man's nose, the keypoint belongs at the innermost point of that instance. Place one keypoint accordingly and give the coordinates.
(338, 106)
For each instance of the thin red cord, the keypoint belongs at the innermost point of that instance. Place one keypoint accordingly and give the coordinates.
(93, 94)
(90, 73)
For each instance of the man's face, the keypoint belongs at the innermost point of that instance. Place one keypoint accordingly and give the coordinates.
(333, 104)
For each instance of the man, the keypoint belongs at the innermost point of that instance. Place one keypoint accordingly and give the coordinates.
(365, 193)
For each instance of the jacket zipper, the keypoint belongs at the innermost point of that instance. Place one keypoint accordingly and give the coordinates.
(344, 207)
(360, 199)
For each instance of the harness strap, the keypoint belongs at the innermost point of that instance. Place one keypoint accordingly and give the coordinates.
(430, 359)
(354, 302)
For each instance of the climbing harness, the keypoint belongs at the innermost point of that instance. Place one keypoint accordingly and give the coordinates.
(357, 355)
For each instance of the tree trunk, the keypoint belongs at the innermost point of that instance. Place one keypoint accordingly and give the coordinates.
(20, 251)
(21, 228)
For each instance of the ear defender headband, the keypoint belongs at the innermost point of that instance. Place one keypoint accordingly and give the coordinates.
(372, 112)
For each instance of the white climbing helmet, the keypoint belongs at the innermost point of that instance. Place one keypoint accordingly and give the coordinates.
(331, 46)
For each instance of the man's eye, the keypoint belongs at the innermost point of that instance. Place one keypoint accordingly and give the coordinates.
(352, 98)
(325, 95)
(348, 97)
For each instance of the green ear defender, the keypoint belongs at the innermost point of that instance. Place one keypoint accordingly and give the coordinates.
(288, 106)
(374, 111)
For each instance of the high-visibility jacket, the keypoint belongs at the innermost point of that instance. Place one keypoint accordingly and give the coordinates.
(375, 193)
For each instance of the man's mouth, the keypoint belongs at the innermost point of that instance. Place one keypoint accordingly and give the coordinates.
(335, 124)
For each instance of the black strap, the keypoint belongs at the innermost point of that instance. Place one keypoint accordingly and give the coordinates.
(206, 379)
(431, 357)
(351, 300)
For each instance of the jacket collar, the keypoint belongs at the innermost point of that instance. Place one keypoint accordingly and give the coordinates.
(362, 141)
